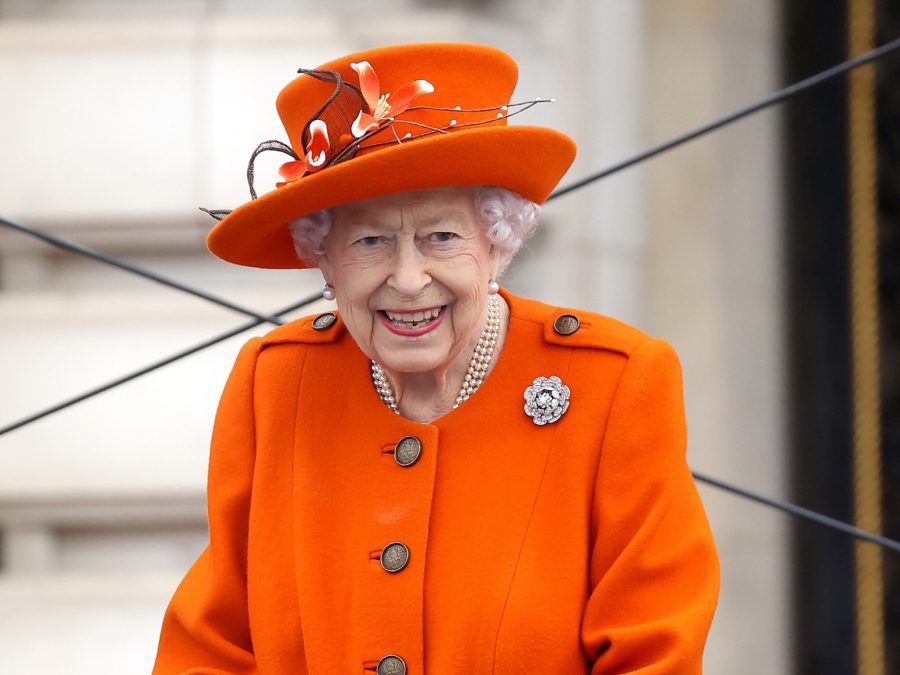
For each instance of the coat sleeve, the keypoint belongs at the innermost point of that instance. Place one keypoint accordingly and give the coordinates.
(654, 570)
(205, 627)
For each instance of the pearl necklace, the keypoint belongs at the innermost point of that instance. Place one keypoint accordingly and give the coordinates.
(478, 364)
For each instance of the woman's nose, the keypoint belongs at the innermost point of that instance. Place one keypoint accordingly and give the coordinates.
(409, 275)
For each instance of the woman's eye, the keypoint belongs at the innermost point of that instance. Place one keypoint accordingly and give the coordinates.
(368, 241)
(443, 236)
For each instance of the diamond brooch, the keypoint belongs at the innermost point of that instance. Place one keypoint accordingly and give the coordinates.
(546, 399)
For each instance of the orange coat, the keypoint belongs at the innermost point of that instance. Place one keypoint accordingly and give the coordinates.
(580, 546)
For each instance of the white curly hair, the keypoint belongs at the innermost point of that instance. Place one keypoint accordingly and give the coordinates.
(507, 218)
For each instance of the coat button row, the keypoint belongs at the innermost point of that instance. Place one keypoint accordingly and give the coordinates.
(391, 664)
(394, 556)
(407, 450)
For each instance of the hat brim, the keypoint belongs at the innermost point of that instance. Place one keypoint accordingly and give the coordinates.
(529, 160)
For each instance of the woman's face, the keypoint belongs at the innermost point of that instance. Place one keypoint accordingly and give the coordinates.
(410, 273)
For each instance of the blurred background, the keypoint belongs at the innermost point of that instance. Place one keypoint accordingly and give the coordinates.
(119, 118)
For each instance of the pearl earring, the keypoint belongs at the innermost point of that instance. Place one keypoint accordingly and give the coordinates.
(493, 287)
(328, 292)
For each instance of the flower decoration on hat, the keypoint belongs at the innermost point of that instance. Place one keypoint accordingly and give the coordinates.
(316, 154)
(354, 118)
(381, 106)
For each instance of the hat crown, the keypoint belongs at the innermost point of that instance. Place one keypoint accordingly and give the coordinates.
(423, 116)
(471, 85)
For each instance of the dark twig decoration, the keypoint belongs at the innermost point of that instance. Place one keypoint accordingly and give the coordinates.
(338, 112)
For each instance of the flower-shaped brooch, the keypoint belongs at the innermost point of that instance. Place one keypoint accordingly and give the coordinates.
(546, 399)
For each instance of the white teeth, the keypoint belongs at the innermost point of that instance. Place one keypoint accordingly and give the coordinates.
(414, 317)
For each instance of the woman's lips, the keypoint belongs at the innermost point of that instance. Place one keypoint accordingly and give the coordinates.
(426, 325)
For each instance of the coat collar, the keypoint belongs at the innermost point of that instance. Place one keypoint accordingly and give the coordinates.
(595, 330)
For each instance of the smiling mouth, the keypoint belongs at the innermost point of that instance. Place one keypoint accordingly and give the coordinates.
(413, 320)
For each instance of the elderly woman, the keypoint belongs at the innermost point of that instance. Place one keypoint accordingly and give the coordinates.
(439, 476)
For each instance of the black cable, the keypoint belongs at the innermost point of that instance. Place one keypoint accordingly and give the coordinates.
(154, 366)
(802, 512)
(777, 97)
(73, 247)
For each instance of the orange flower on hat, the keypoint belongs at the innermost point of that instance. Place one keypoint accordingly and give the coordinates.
(316, 153)
(382, 106)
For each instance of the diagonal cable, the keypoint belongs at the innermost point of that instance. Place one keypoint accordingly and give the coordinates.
(154, 366)
(770, 100)
(801, 512)
(73, 247)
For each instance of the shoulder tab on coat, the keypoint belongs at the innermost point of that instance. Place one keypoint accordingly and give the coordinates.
(312, 329)
(571, 327)
(580, 328)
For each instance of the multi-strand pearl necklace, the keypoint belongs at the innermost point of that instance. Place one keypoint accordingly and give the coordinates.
(478, 364)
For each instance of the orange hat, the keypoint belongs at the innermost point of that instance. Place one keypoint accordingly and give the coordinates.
(387, 120)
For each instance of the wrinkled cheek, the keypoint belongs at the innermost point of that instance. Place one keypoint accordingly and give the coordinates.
(360, 322)
(466, 318)
(475, 299)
